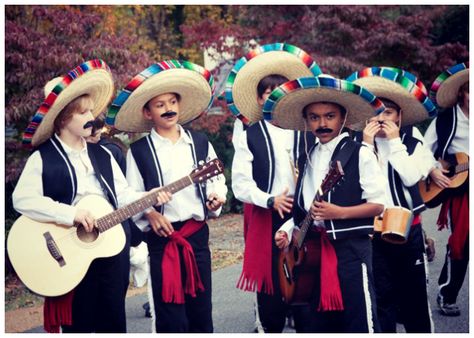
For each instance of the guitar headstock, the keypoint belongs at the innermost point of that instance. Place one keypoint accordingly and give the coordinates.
(333, 176)
(207, 170)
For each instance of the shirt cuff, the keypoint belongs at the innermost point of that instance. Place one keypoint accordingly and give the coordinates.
(67, 215)
(288, 228)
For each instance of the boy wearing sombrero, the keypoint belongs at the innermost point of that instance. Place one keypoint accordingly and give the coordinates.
(62, 170)
(158, 101)
(447, 135)
(263, 172)
(400, 269)
(343, 297)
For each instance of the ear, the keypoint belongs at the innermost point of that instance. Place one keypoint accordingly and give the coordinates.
(146, 113)
(260, 101)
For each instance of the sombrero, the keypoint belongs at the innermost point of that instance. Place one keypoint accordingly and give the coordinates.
(400, 87)
(92, 77)
(444, 90)
(284, 106)
(277, 58)
(192, 82)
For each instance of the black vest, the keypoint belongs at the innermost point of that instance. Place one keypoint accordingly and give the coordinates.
(148, 163)
(58, 169)
(396, 185)
(261, 146)
(347, 193)
(446, 124)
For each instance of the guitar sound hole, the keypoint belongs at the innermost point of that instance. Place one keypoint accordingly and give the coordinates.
(87, 237)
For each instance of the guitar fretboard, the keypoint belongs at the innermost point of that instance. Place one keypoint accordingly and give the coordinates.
(461, 167)
(306, 223)
(118, 216)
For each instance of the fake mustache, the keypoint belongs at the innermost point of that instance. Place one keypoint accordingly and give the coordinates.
(323, 131)
(89, 124)
(169, 114)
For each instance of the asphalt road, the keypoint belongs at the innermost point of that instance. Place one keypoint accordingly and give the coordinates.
(233, 308)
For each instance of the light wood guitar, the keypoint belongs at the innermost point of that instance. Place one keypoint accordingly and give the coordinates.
(51, 259)
(433, 195)
(297, 262)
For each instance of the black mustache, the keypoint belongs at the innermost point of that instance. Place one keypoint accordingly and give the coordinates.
(89, 124)
(169, 114)
(323, 130)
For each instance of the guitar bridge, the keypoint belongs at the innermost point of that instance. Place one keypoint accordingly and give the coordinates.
(53, 249)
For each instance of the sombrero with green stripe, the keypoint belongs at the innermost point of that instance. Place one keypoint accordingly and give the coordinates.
(92, 77)
(284, 106)
(444, 90)
(399, 86)
(193, 83)
(277, 58)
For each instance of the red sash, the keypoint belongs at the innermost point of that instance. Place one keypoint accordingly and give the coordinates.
(57, 311)
(171, 268)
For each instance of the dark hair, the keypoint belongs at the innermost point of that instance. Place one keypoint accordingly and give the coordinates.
(390, 104)
(341, 108)
(270, 81)
(178, 97)
(75, 106)
(464, 88)
(99, 123)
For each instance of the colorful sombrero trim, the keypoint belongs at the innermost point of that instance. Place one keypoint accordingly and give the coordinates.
(154, 69)
(319, 82)
(410, 76)
(443, 76)
(399, 77)
(51, 98)
(278, 47)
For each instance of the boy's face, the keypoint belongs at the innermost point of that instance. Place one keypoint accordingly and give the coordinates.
(163, 110)
(261, 100)
(76, 123)
(389, 114)
(325, 120)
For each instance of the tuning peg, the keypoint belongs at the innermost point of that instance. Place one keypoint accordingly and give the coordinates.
(201, 162)
(208, 159)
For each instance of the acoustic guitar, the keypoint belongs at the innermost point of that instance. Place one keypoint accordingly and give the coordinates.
(51, 259)
(298, 262)
(433, 195)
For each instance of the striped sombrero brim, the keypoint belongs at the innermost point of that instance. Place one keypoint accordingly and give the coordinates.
(285, 105)
(277, 58)
(384, 82)
(444, 90)
(193, 83)
(92, 77)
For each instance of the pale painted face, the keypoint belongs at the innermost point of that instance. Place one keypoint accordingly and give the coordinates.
(75, 125)
(389, 114)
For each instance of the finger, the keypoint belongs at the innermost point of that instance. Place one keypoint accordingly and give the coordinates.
(280, 212)
(288, 199)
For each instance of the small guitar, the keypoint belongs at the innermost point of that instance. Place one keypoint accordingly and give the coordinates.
(297, 262)
(51, 259)
(433, 195)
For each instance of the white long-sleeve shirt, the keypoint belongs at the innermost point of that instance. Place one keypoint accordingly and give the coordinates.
(176, 162)
(460, 141)
(244, 186)
(371, 180)
(29, 200)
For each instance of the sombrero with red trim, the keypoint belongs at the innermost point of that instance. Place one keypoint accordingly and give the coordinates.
(399, 86)
(444, 90)
(92, 77)
(284, 106)
(277, 58)
(193, 83)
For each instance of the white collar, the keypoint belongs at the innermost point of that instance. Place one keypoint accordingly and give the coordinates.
(70, 150)
(331, 145)
(183, 136)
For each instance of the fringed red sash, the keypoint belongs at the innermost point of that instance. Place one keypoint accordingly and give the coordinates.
(57, 311)
(172, 283)
(460, 217)
(257, 266)
(330, 293)
(247, 215)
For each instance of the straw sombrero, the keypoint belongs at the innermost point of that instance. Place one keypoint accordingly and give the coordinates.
(400, 87)
(284, 107)
(277, 58)
(444, 90)
(192, 82)
(92, 77)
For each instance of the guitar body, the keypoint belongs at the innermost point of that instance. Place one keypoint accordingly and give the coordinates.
(433, 195)
(34, 263)
(298, 270)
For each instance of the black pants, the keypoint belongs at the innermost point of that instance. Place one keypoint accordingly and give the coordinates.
(401, 283)
(452, 275)
(357, 286)
(196, 314)
(99, 299)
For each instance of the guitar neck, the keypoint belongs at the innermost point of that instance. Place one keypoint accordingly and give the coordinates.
(118, 216)
(306, 223)
(461, 167)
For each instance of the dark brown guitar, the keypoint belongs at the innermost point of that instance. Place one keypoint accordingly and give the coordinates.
(433, 195)
(298, 262)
